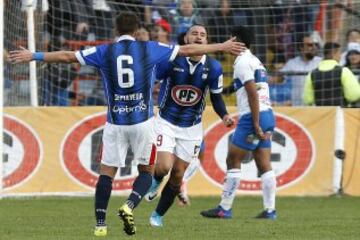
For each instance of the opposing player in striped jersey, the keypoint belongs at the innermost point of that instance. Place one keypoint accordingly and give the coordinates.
(179, 131)
(126, 68)
(252, 133)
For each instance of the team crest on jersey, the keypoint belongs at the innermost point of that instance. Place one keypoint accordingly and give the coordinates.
(186, 95)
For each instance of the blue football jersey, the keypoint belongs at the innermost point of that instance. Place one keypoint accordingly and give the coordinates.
(184, 88)
(127, 70)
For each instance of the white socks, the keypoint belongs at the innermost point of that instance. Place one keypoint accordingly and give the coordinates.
(232, 182)
(269, 187)
(191, 170)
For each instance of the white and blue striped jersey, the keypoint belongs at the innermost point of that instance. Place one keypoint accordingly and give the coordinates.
(184, 88)
(127, 70)
(248, 67)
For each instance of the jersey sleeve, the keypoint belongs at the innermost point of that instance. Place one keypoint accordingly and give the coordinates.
(243, 72)
(162, 52)
(162, 70)
(308, 95)
(93, 56)
(350, 85)
(216, 81)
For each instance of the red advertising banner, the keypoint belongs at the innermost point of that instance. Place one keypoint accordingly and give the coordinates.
(56, 150)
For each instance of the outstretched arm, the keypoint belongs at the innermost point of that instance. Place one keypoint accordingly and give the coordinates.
(230, 46)
(24, 55)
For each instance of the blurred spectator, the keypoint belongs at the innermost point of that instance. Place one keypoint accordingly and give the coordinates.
(331, 84)
(280, 37)
(304, 63)
(185, 16)
(353, 61)
(157, 9)
(95, 98)
(67, 20)
(102, 21)
(280, 87)
(336, 9)
(304, 14)
(143, 34)
(352, 42)
(7, 80)
(161, 31)
(220, 24)
(290, 20)
(135, 6)
(208, 3)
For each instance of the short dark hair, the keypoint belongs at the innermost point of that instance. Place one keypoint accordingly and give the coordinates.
(243, 34)
(329, 48)
(181, 38)
(197, 25)
(300, 40)
(127, 23)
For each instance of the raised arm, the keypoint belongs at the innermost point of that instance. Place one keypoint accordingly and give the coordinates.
(24, 55)
(230, 46)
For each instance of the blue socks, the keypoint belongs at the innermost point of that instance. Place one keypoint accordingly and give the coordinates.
(140, 187)
(168, 195)
(102, 196)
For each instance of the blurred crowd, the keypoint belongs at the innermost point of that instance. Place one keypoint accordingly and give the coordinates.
(290, 37)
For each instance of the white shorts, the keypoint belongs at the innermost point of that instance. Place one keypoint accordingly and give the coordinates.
(184, 142)
(118, 138)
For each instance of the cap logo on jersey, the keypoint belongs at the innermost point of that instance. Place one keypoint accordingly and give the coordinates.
(186, 95)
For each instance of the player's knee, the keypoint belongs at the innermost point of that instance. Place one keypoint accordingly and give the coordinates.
(162, 169)
(146, 168)
(232, 161)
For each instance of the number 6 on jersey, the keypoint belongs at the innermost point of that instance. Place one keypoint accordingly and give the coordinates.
(129, 81)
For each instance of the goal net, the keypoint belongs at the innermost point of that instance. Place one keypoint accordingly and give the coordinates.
(279, 27)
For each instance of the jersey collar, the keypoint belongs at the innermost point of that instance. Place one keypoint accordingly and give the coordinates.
(125, 37)
(193, 67)
(202, 60)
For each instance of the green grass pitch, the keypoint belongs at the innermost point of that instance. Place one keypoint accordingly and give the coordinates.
(73, 218)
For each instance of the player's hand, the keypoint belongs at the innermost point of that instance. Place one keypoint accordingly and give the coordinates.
(259, 133)
(228, 121)
(233, 47)
(20, 56)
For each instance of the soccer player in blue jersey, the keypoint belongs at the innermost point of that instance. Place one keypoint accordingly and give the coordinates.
(253, 131)
(185, 83)
(126, 68)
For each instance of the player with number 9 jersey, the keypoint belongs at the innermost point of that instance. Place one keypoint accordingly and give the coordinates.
(185, 83)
